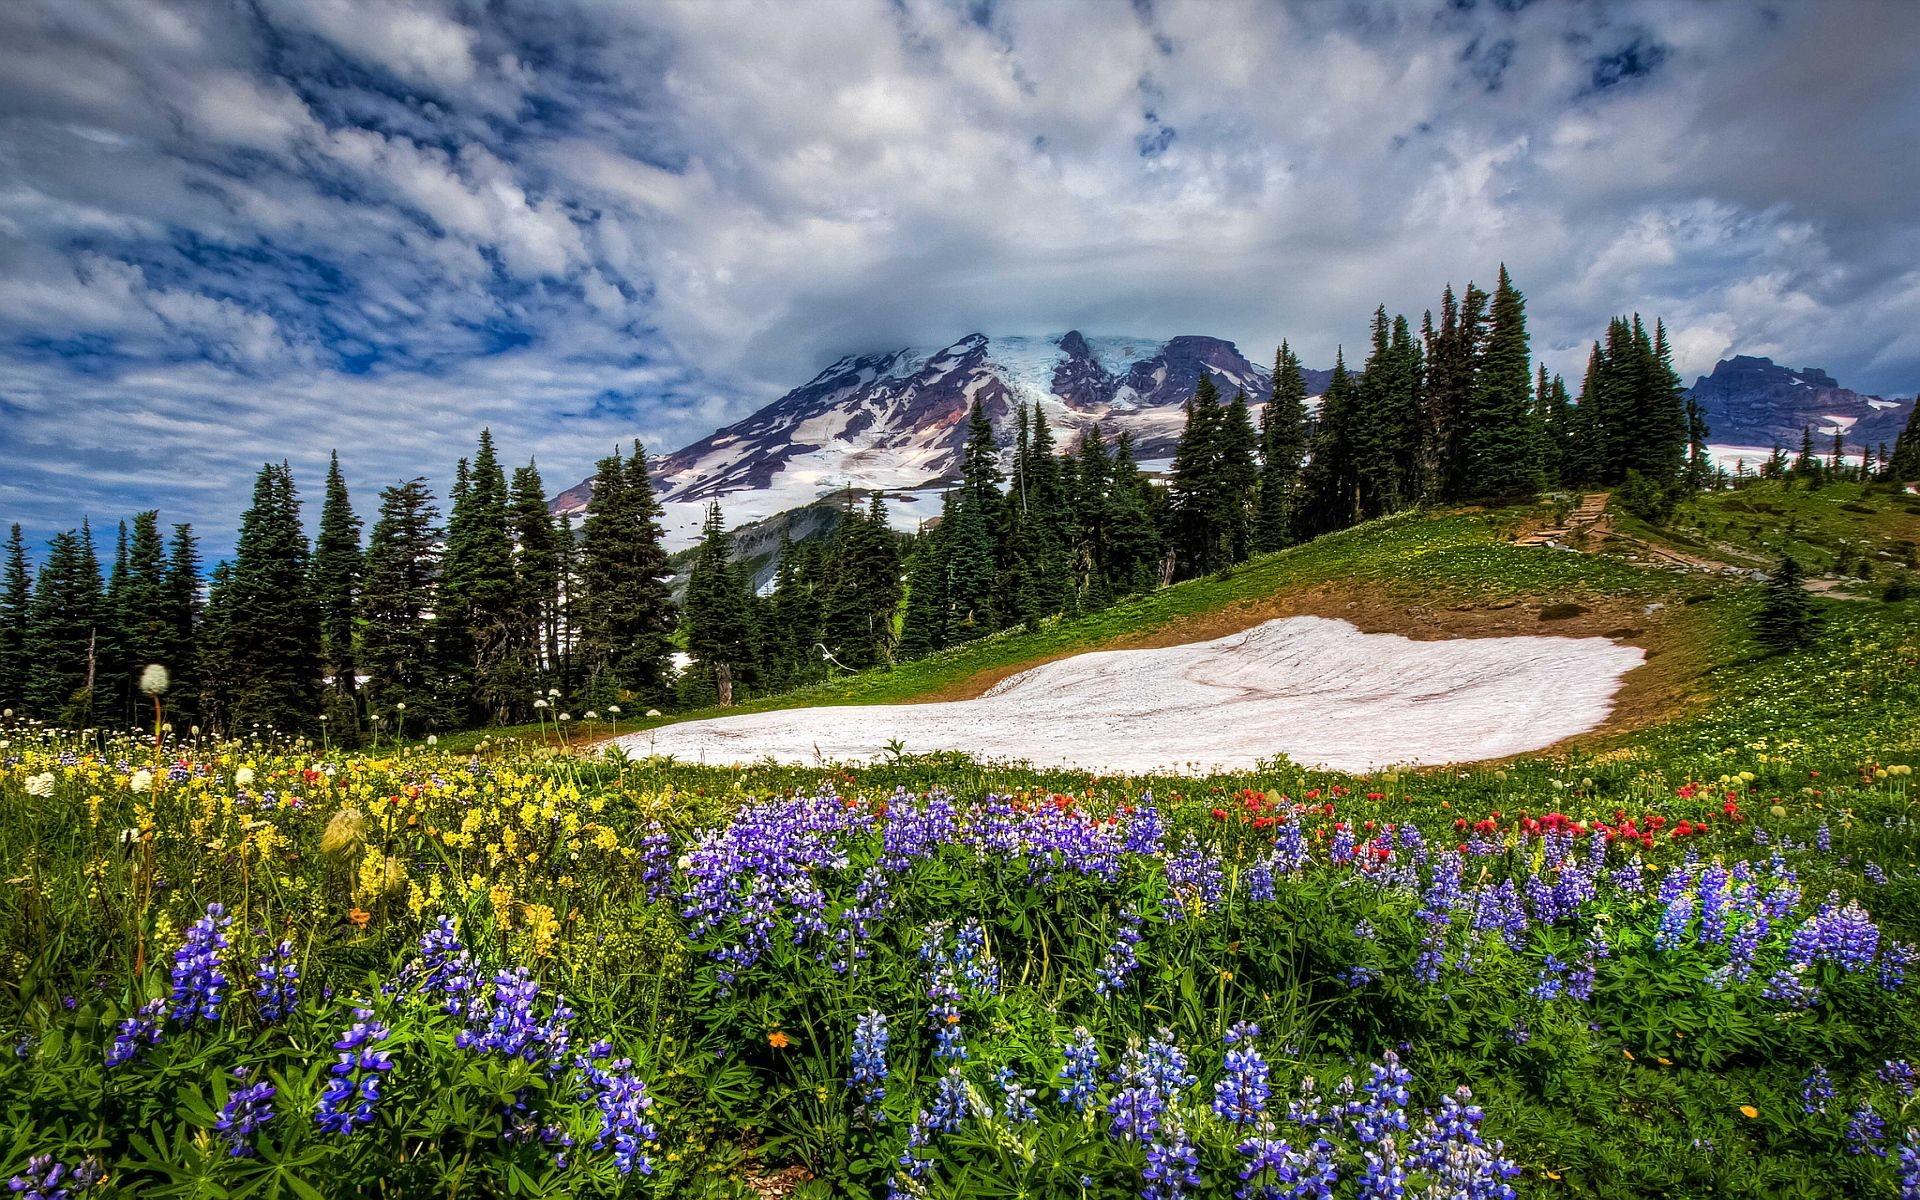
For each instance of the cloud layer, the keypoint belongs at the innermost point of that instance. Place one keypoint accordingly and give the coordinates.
(233, 233)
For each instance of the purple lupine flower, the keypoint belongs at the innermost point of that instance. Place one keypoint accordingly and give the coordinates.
(1673, 922)
(1898, 1074)
(656, 861)
(1121, 959)
(47, 1178)
(1172, 1167)
(869, 1076)
(1866, 1131)
(143, 1028)
(1241, 1095)
(621, 1096)
(1078, 1076)
(950, 1105)
(1016, 1102)
(348, 1100)
(1816, 1091)
(199, 983)
(1910, 1166)
(277, 985)
(247, 1109)
(1196, 881)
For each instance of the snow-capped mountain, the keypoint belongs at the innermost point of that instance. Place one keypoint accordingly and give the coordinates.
(897, 421)
(1755, 402)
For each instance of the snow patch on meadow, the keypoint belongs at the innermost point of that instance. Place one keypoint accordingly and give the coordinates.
(1315, 689)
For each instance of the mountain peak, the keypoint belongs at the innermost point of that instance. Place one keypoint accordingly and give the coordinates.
(1750, 400)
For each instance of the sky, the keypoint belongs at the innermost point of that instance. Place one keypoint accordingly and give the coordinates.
(242, 231)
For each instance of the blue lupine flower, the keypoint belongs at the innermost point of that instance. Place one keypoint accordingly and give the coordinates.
(950, 1105)
(47, 1178)
(199, 983)
(1016, 1102)
(145, 1027)
(1865, 1130)
(1078, 1082)
(1196, 881)
(621, 1096)
(348, 1100)
(1898, 1074)
(247, 1109)
(1121, 961)
(1171, 1167)
(1241, 1096)
(278, 983)
(1816, 1091)
(869, 1075)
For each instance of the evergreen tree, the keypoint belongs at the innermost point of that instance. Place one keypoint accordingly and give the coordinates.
(1330, 494)
(1805, 465)
(336, 586)
(183, 617)
(1904, 466)
(923, 630)
(271, 622)
(63, 628)
(1237, 480)
(1199, 532)
(719, 613)
(537, 563)
(973, 559)
(16, 606)
(794, 615)
(1502, 443)
(626, 608)
(1386, 420)
(1283, 446)
(113, 685)
(477, 607)
(213, 645)
(1136, 555)
(1786, 619)
(146, 633)
(397, 602)
(1700, 469)
(863, 587)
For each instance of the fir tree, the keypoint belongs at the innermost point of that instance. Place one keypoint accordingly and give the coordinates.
(1904, 466)
(212, 651)
(626, 608)
(1331, 499)
(1136, 555)
(1502, 443)
(146, 633)
(923, 630)
(537, 570)
(973, 558)
(719, 615)
(1198, 537)
(183, 617)
(336, 587)
(1283, 446)
(16, 605)
(1236, 481)
(273, 633)
(1699, 461)
(397, 600)
(794, 615)
(63, 628)
(863, 587)
(1786, 619)
(478, 601)
(1805, 465)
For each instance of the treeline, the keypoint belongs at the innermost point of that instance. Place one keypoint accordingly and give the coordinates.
(484, 618)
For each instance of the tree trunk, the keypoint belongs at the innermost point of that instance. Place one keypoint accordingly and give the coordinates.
(723, 682)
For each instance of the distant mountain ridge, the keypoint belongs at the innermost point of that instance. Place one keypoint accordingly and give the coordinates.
(896, 421)
(1753, 401)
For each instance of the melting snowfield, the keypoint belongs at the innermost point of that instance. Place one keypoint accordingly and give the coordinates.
(1317, 690)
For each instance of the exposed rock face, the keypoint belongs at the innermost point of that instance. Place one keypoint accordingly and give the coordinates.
(1750, 401)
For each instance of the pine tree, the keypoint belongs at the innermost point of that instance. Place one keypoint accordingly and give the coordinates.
(1805, 465)
(1502, 442)
(923, 630)
(973, 553)
(16, 604)
(1198, 540)
(1786, 619)
(63, 629)
(271, 620)
(146, 633)
(1699, 462)
(1283, 446)
(183, 617)
(397, 600)
(1237, 481)
(719, 615)
(213, 643)
(537, 569)
(336, 586)
(794, 615)
(626, 608)
(863, 587)
(478, 601)
(1330, 497)
(1904, 466)
(1136, 554)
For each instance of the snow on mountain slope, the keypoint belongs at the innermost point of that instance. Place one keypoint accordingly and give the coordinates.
(896, 422)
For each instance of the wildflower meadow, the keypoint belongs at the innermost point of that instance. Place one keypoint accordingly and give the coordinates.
(267, 969)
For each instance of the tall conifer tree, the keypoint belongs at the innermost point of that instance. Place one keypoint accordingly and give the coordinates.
(272, 628)
(336, 588)
(1283, 447)
(1502, 441)
(397, 603)
(16, 603)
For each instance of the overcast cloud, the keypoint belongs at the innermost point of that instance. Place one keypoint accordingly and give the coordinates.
(236, 231)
